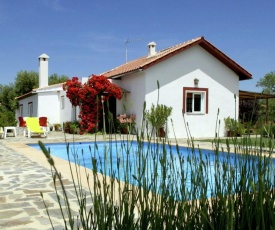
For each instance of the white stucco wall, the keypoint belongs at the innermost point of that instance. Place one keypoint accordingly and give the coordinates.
(66, 113)
(55, 111)
(25, 103)
(48, 104)
(180, 71)
(133, 101)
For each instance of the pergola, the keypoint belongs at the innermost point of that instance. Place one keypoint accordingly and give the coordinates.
(246, 95)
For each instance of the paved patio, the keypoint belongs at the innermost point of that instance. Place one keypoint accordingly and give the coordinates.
(24, 173)
(22, 178)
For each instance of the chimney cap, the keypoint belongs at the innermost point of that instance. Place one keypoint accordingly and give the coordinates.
(43, 56)
(151, 49)
(152, 44)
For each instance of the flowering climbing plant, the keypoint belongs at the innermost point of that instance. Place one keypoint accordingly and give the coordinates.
(89, 97)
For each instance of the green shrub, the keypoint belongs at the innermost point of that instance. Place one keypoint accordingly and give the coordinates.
(268, 130)
(7, 118)
(234, 126)
(158, 115)
(57, 127)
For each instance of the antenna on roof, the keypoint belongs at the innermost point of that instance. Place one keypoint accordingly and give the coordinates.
(126, 44)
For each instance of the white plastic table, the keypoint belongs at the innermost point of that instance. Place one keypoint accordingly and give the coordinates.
(9, 128)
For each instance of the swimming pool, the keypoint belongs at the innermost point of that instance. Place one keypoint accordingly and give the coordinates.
(183, 171)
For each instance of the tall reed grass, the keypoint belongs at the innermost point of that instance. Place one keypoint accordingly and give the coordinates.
(157, 187)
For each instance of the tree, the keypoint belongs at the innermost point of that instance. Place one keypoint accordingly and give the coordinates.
(7, 118)
(7, 95)
(55, 79)
(268, 85)
(25, 82)
(7, 106)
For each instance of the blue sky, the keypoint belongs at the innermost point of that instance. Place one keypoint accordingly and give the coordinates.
(88, 37)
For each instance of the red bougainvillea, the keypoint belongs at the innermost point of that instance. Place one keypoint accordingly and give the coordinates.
(88, 97)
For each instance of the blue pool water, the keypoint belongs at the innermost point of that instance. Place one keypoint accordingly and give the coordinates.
(122, 160)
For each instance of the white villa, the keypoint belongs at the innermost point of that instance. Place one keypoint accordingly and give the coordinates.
(195, 78)
(46, 101)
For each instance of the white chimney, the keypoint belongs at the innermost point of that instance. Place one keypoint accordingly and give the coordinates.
(43, 70)
(151, 49)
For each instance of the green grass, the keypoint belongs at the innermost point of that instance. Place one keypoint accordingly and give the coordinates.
(250, 141)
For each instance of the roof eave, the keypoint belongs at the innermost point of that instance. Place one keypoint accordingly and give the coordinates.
(29, 94)
(241, 72)
(125, 73)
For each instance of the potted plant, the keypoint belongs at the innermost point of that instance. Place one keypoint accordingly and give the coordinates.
(51, 127)
(57, 127)
(125, 123)
(158, 116)
(233, 127)
(74, 127)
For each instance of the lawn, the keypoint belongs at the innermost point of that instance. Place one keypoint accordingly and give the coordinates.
(245, 141)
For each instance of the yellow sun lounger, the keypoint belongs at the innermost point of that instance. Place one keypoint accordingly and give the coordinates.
(1, 132)
(33, 127)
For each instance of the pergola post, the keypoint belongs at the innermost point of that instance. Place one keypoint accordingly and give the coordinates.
(266, 111)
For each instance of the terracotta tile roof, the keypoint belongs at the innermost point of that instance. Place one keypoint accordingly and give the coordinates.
(145, 62)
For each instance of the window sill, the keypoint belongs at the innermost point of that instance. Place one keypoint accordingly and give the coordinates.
(188, 113)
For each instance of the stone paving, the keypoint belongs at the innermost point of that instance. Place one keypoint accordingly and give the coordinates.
(21, 182)
(23, 179)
